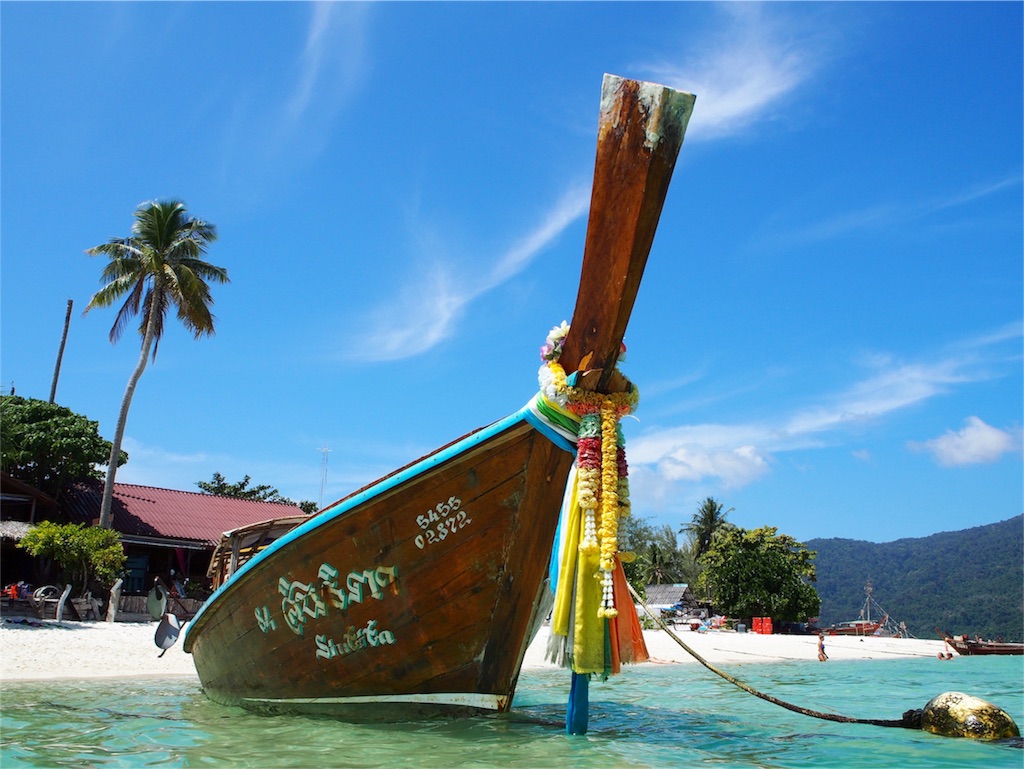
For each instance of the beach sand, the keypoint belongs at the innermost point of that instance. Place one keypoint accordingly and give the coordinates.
(75, 650)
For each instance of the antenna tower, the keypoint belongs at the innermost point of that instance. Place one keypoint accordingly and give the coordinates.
(324, 451)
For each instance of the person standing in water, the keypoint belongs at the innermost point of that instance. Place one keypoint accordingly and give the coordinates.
(821, 647)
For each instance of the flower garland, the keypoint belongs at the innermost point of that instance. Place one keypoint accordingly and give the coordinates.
(602, 472)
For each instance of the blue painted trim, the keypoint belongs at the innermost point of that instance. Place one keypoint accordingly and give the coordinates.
(328, 515)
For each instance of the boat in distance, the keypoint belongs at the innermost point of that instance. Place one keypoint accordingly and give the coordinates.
(418, 595)
(856, 627)
(968, 647)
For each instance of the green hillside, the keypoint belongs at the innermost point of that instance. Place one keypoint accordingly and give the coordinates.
(963, 581)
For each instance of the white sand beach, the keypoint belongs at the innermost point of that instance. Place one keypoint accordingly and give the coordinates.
(48, 650)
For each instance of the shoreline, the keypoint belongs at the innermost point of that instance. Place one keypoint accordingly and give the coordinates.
(45, 650)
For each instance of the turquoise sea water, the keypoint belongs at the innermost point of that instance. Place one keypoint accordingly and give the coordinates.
(651, 716)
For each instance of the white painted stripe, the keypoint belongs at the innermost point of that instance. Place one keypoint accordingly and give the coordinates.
(461, 699)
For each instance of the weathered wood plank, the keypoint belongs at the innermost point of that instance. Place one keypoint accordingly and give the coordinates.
(640, 132)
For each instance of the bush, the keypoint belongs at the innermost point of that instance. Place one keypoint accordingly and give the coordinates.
(85, 554)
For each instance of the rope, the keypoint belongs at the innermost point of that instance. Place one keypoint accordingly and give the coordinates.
(902, 723)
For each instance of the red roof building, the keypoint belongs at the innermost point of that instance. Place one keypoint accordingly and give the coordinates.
(164, 529)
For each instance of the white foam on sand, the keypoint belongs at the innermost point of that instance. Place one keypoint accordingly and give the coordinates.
(127, 649)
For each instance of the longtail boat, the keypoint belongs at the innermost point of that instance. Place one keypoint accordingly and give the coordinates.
(419, 594)
(865, 626)
(968, 647)
(857, 627)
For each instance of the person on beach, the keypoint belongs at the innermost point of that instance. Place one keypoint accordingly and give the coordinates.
(821, 648)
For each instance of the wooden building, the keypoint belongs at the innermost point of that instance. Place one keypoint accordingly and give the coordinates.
(167, 533)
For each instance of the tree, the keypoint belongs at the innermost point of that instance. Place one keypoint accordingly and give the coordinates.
(159, 265)
(761, 573)
(60, 351)
(659, 558)
(83, 553)
(707, 522)
(47, 445)
(218, 486)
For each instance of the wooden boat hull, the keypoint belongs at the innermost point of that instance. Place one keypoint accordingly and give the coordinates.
(969, 648)
(856, 628)
(418, 595)
(398, 605)
(972, 648)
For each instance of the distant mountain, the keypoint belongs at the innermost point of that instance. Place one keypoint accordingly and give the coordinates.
(969, 581)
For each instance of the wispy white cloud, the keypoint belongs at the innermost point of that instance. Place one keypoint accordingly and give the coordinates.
(746, 72)
(976, 443)
(895, 387)
(971, 194)
(333, 60)
(150, 465)
(759, 60)
(734, 455)
(422, 314)
(427, 309)
(282, 118)
(569, 208)
(154, 465)
(886, 215)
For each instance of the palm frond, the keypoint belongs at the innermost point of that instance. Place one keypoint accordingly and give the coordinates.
(160, 265)
(128, 311)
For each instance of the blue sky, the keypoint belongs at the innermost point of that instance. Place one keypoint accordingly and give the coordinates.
(829, 334)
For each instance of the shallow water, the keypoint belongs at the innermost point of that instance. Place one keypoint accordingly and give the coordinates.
(651, 716)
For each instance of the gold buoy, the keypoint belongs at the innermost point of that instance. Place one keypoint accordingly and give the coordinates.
(955, 714)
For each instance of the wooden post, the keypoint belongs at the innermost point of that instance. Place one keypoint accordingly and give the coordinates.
(60, 352)
(115, 599)
(62, 601)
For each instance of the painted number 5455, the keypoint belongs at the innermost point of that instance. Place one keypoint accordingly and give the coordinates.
(441, 510)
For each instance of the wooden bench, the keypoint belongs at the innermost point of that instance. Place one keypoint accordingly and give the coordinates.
(20, 607)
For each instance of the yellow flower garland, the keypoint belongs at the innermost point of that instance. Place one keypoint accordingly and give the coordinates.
(609, 505)
(599, 487)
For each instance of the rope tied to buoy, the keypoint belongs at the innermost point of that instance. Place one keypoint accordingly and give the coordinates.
(906, 722)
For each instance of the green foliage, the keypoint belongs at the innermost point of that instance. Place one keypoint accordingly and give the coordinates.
(967, 581)
(84, 553)
(760, 573)
(707, 523)
(218, 486)
(161, 265)
(47, 445)
(659, 559)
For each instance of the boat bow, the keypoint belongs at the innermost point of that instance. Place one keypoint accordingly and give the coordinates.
(418, 594)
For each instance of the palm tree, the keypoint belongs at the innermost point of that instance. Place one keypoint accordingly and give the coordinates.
(159, 265)
(655, 567)
(60, 351)
(707, 521)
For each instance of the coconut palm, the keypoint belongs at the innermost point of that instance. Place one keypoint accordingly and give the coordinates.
(159, 265)
(655, 567)
(707, 521)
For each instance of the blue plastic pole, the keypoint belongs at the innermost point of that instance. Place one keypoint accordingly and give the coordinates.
(579, 704)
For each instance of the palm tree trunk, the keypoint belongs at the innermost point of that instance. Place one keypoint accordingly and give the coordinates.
(60, 352)
(106, 519)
